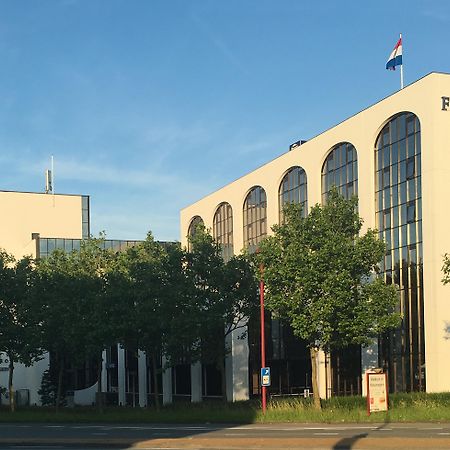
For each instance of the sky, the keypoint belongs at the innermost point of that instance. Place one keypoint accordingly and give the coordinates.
(149, 105)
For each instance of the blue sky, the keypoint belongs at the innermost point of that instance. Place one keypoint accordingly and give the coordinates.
(148, 105)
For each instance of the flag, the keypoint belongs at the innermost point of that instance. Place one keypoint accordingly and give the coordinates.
(395, 59)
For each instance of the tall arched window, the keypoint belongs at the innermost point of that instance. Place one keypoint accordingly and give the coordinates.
(293, 189)
(255, 217)
(399, 221)
(340, 169)
(196, 221)
(223, 229)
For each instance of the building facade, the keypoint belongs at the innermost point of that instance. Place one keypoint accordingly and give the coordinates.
(395, 156)
(25, 217)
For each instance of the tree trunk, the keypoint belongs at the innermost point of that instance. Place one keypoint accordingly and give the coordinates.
(60, 377)
(314, 373)
(155, 381)
(12, 396)
(99, 385)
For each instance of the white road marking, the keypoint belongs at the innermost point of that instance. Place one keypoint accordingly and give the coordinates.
(326, 434)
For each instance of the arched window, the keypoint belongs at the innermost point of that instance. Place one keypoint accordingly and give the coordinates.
(255, 217)
(340, 169)
(196, 221)
(293, 189)
(399, 222)
(223, 229)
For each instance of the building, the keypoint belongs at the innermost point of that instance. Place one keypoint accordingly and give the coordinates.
(35, 224)
(25, 217)
(402, 189)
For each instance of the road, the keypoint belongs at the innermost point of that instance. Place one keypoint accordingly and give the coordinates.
(213, 436)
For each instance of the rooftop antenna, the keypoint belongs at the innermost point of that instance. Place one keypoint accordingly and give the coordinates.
(49, 179)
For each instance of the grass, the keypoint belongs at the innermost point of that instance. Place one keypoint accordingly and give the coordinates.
(414, 407)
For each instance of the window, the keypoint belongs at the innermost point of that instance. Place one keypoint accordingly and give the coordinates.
(293, 189)
(340, 169)
(255, 217)
(397, 150)
(196, 222)
(223, 229)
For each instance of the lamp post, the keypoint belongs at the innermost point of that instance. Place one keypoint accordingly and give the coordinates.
(263, 340)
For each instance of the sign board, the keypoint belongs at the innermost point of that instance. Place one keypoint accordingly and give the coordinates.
(377, 393)
(265, 376)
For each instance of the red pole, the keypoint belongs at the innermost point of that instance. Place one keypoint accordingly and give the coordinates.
(263, 340)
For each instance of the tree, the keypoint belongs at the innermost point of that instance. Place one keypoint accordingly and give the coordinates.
(19, 323)
(75, 310)
(319, 276)
(147, 281)
(222, 295)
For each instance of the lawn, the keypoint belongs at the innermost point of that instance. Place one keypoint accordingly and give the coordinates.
(415, 407)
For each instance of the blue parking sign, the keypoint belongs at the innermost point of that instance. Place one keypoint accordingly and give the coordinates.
(265, 376)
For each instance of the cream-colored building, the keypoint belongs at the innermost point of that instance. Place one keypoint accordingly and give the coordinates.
(26, 217)
(396, 156)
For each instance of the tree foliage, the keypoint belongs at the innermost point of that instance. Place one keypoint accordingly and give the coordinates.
(19, 316)
(320, 276)
(222, 296)
(76, 320)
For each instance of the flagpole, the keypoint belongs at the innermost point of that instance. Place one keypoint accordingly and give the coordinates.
(401, 66)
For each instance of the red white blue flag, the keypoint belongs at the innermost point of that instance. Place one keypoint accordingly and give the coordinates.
(395, 59)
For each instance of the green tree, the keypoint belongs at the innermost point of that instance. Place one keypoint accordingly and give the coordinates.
(20, 337)
(75, 309)
(147, 282)
(319, 275)
(222, 295)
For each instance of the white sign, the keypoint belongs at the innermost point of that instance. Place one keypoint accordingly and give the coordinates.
(377, 396)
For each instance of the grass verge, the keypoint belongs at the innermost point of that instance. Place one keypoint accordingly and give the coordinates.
(414, 407)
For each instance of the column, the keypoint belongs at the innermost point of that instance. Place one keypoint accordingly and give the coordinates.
(166, 383)
(236, 367)
(196, 382)
(121, 374)
(142, 370)
(104, 375)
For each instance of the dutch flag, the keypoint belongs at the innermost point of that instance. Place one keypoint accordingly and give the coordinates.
(396, 56)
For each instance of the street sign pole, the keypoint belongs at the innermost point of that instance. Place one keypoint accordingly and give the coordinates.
(263, 340)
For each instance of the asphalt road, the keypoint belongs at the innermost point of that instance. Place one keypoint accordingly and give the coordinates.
(209, 436)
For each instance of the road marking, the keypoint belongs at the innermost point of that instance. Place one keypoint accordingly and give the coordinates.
(444, 434)
(426, 429)
(326, 434)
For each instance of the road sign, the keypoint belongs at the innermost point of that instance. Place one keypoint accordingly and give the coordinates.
(265, 376)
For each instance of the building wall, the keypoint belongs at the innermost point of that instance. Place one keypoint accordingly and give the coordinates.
(424, 99)
(26, 213)
(49, 215)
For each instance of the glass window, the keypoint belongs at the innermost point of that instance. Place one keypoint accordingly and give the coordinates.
(223, 229)
(196, 222)
(344, 176)
(404, 359)
(255, 210)
(293, 189)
